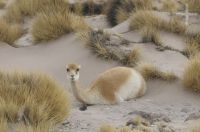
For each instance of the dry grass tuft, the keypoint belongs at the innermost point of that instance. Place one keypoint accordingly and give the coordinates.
(100, 44)
(9, 32)
(31, 101)
(143, 18)
(191, 77)
(2, 4)
(30, 8)
(194, 5)
(150, 72)
(195, 127)
(193, 45)
(170, 5)
(131, 58)
(51, 26)
(150, 34)
(119, 10)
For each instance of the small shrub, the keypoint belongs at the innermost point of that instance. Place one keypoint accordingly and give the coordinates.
(9, 32)
(150, 72)
(191, 77)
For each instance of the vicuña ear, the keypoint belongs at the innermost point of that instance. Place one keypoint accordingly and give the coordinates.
(79, 66)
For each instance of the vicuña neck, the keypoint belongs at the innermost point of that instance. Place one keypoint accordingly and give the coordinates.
(78, 92)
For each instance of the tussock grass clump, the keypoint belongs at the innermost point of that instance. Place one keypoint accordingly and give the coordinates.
(31, 101)
(89, 7)
(192, 45)
(131, 58)
(191, 77)
(30, 8)
(150, 34)
(100, 44)
(143, 18)
(170, 5)
(9, 32)
(51, 26)
(119, 10)
(195, 127)
(150, 72)
(2, 4)
(194, 5)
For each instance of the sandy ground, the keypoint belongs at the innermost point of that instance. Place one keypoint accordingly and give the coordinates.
(167, 98)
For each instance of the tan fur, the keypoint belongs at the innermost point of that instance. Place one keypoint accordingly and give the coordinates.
(110, 87)
(109, 82)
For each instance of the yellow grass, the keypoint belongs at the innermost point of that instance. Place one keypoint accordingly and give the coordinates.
(194, 5)
(30, 8)
(191, 77)
(150, 72)
(170, 5)
(143, 18)
(131, 58)
(193, 45)
(119, 10)
(51, 26)
(2, 4)
(150, 34)
(195, 127)
(32, 99)
(9, 32)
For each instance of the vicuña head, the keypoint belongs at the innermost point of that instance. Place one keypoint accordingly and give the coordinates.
(110, 87)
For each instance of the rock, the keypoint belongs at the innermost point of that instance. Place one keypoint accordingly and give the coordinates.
(185, 110)
(151, 117)
(193, 116)
(24, 41)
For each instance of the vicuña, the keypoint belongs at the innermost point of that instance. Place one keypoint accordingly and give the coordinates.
(112, 86)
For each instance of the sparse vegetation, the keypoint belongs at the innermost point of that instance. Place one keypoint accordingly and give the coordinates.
(31, 101)
(119, 10)
(50, 26)
(150, 72)
(99, 43)
(150, 34)
(170, 5)
(9, 32)
(143, 18)
(191, 77)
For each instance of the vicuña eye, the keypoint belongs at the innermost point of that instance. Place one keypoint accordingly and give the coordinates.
(67, 69)
(77, 70)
